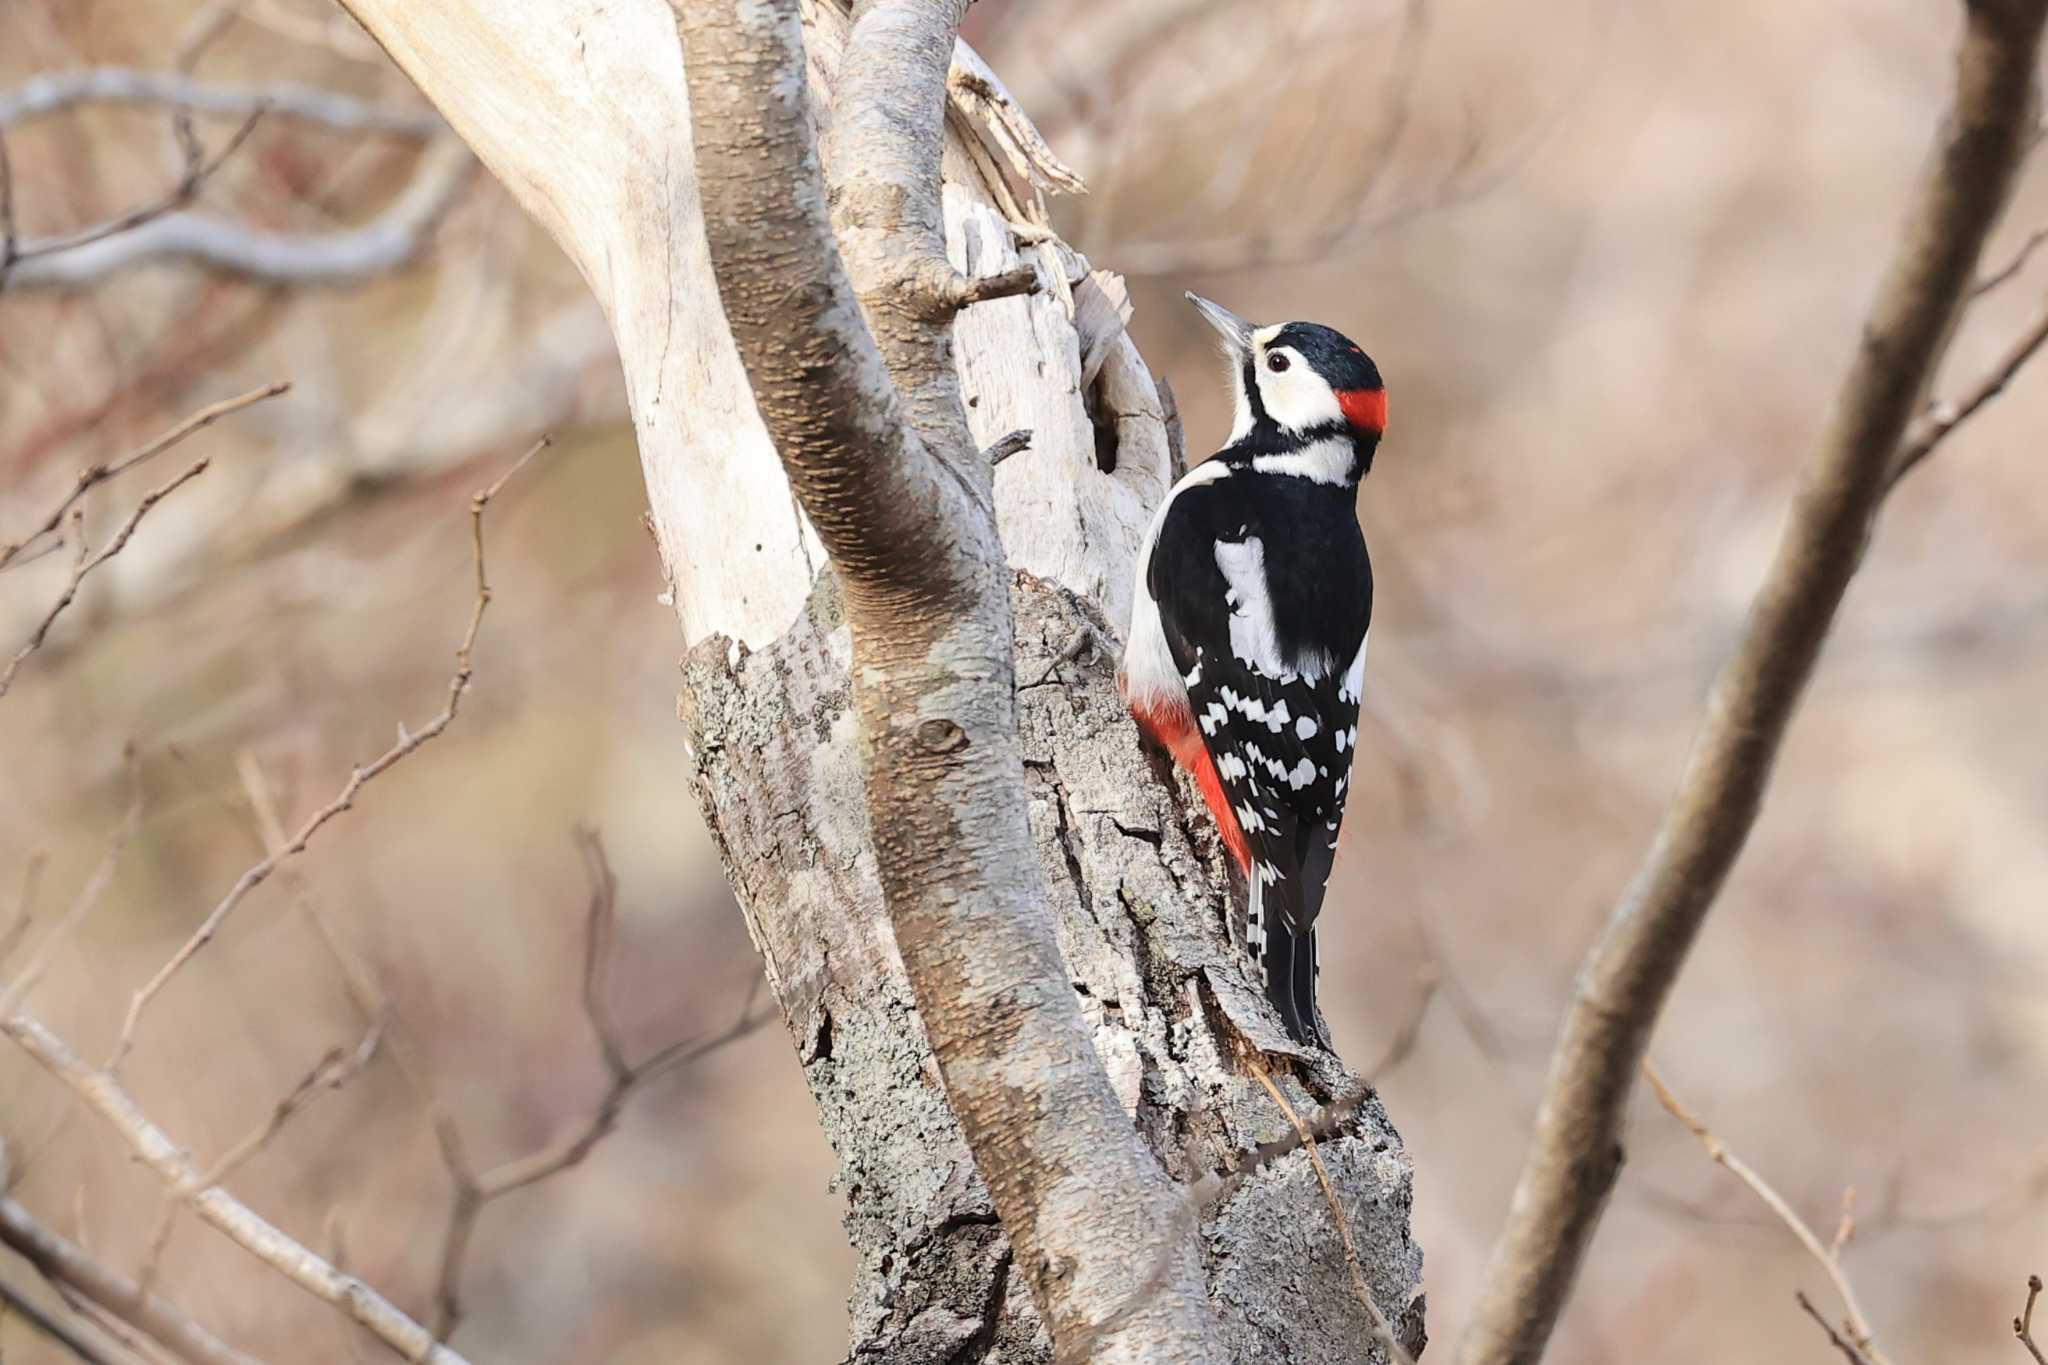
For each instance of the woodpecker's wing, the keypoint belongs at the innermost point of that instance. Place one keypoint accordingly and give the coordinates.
(1282, 746)
(1276, 702)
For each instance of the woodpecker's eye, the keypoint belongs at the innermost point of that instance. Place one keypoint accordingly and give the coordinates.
(1276, 362)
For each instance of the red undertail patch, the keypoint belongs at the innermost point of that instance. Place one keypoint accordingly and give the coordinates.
(1172, 726)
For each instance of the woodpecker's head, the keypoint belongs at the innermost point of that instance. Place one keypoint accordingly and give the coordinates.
(1304, 392)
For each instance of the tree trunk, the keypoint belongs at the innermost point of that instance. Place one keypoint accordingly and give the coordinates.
(580, 108)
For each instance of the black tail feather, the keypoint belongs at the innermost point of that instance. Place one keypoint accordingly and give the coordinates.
(1290, 970)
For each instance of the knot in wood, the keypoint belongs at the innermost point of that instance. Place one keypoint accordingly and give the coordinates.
(941, 737)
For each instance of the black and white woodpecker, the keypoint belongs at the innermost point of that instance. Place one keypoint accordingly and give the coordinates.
(1246, 654)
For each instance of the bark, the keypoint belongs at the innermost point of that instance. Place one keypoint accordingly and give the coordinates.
(1111, 904)
(1576, 1154)
(1139, 901)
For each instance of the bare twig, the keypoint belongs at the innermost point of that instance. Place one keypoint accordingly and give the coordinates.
(389, 242)
(1941, 419)
(23, 918)
(13, 1301)
(1858, 1325)
(81, 565)
(2013, 266)
(94, 474)
(334, 1070)
(1845, 1229)
(473, 1190)
(1835, 1338)
(408, 741)
(1016, 443)
(2023, 1325)
(89, 896)
(1575, 1154)
(53, 92)
(68, 1265)
(1332, 1118)
(1382, 1329)
(197, 173)
(243, 1225)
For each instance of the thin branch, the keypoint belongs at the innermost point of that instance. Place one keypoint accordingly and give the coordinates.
(1015, 443)
(1941, 419)
(2023, 1325)
(1835, 1338)
(197, 173)
(408, 742)
(336, 1067)
(2013, 266)
(81, 565)
(89, 896)
(67, 1264)
(1575, 1153)
(95, 474)
(54, 92)
(1859, 1326)
(473, 1191)
(1333, 1118)
(389, 242)
(13, 1301)
(24, 915)
(242, 1225)
(1382, 1329)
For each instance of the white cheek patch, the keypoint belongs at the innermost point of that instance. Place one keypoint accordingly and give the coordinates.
(1297, 397)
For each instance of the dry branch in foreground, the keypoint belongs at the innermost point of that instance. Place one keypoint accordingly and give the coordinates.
(408, 742)
(2023, 1325)
(83, 562)
(185, 1181)
(624, 1079)
(66, 1264)
(95, 474)
(1856, 1328)
(1576, 1153)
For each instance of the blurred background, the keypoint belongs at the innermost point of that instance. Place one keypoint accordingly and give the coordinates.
(1612, 260)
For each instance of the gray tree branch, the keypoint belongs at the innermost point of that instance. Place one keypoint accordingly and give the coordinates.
(1576, 1153)
(53, 92)
(67, 1264)
(905, 506)
(388, 242)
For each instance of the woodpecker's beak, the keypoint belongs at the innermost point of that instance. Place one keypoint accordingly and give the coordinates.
(1235, 331)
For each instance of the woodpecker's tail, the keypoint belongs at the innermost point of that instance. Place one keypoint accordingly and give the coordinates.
(1287, 959)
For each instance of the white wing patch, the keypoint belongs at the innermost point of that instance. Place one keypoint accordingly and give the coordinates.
(1253, 637)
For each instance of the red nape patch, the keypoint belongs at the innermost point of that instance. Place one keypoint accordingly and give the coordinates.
(1365, 409)
(1172, 726)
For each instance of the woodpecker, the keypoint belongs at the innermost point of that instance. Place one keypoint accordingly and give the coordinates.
(1246, 654)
